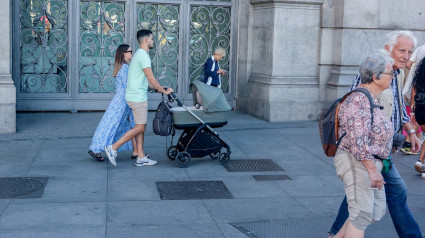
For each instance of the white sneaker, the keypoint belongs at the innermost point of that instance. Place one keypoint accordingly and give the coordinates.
(144, 161)
(112, 154)
(423, 175)
(419, 166)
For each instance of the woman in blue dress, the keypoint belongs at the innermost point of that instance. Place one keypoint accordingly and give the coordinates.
(118, 118)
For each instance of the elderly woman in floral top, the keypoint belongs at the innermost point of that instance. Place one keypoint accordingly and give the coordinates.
(358, 159)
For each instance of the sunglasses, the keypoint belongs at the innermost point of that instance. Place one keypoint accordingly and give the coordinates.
(129, 51)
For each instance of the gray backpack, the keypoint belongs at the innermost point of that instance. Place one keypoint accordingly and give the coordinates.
(328, 122)
(163, 121)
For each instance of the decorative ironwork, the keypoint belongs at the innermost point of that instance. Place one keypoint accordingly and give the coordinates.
(163, 21)
(101, 32)
(44, 43)
(209, 29)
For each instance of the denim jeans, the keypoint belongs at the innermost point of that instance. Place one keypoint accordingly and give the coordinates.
(396, 195)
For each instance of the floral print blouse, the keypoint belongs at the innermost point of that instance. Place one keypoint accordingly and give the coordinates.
(364, 140)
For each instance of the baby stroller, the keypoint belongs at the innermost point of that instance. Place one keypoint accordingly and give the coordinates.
(199, 139)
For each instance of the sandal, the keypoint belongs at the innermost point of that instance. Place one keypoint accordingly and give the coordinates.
(96, 156)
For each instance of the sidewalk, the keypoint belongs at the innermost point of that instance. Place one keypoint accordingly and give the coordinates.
(85, 198)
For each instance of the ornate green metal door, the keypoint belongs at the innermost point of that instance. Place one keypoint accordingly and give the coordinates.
(65, 52)
(102, 30)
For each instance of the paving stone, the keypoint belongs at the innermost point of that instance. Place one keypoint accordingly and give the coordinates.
(232, 210)
(53, 215)
(304, 186)
(19, 152)
(152, 213)
(175, 231)
(14, 169)
(118, 190)
(69, 232)
(61, 189)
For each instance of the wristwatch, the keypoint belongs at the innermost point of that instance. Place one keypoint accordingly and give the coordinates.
(412, 131)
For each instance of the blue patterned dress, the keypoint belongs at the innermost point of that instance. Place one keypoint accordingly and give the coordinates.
(118, 118)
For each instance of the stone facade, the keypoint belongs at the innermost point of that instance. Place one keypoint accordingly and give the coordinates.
(301, 53)
(7, 88)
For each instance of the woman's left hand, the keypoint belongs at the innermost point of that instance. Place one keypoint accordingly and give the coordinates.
(377, 181)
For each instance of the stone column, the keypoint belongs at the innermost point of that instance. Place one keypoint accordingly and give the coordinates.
(7, 88)
(283, 83)
(353, 30)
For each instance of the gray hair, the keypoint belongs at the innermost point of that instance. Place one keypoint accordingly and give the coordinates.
(374, 64)
(394, 35)
(220, 51)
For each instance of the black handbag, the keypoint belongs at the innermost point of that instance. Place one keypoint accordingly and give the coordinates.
(420, 98)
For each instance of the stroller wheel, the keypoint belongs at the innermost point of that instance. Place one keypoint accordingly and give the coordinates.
(183, 159)
(172, 152)
(224, 158)
(214, 155)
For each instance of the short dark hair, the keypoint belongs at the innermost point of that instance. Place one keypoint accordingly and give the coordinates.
(142, 34)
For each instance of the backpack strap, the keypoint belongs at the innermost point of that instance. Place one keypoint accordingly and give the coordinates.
(372, 106)
(366, 92)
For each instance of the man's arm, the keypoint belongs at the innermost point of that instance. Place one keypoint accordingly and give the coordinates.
(152, 80)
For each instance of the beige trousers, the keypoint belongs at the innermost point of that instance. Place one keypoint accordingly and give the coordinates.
(365, 204)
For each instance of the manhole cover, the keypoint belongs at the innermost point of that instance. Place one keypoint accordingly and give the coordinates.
(252, 165)
(23, 187)
(271, 177)
(187, 190)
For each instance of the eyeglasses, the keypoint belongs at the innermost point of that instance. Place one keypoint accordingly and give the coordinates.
(390, 73)
(129, 51)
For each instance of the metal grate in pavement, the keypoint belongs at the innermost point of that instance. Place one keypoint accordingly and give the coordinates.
(22, 187)
(316, 227)
(191, 190)
(252, 165)
(271, 177)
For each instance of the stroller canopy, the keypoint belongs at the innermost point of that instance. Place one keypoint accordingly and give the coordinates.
(213, 99)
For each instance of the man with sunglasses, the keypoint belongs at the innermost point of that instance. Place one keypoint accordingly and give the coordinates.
(400, 46)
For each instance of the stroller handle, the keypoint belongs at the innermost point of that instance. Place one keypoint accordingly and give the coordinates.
(173, 96)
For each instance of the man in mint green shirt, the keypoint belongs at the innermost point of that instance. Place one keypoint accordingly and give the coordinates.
(139, 76)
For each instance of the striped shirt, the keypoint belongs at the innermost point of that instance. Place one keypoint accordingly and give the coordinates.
(395, 117)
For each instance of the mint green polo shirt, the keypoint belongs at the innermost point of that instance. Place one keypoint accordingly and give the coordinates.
(137, 84)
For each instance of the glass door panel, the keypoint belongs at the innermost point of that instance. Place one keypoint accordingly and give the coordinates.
(163, 21)
(209, 29)
(43, 46)
(101, 32)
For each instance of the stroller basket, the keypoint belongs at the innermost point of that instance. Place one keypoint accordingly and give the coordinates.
(183, 119)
